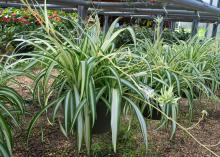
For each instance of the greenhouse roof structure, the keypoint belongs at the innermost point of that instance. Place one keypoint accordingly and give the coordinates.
(173, 10)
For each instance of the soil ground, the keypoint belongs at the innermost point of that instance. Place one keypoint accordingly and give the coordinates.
(48, 141)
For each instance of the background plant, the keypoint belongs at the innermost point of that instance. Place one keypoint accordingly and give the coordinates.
(14, 21)
(191, 67)
(168, 36)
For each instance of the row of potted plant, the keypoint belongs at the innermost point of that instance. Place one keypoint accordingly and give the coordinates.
(95, 79)
(191, 67)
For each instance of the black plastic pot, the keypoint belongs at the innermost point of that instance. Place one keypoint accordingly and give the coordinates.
(151, 113)
(22, 47)
(103, 120)
(196, 94)
(2, 50)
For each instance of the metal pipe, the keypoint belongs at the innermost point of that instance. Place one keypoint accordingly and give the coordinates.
(173, 25)
(188, 4)
(96, 4)
(178, 15)
(207, 24)
(183, 19)
(195, 25)
(144, 13)
(215, 26)
(20, 5)
(214, 29)
(55, 6)
(195, 5)
(106, 24)
(135, 10)
(82, 14)
(156, 11)
(111, 5)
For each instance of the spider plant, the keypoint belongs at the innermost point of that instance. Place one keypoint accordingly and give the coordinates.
(169, 105)
(88, 69)
(192, 66)
(11, 108)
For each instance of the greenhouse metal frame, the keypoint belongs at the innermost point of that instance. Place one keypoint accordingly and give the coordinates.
(194, 11)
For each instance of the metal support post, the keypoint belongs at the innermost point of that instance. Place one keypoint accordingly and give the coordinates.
(173, 25)
(82, 14)
(215, 25)
(195, 25)
(106, 24)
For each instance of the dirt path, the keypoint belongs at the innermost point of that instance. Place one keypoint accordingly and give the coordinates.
(52, 143)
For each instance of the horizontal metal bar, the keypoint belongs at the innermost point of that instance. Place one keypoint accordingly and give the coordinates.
(133, 10)
(187, 4)
(195, 5)
(96, 4)
(170, 16)
(20, 5)
(136, 12)
(177, 14)
(157, 11)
